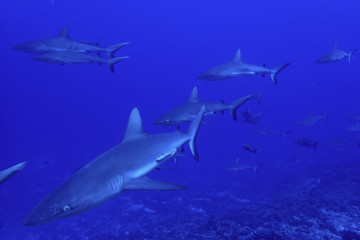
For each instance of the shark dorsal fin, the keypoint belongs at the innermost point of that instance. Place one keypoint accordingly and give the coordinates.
(335, 46)
(237, 57)
(194, 95)
(134, 127)
(64, 33)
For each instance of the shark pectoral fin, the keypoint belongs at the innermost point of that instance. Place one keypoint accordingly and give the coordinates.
(145, 183)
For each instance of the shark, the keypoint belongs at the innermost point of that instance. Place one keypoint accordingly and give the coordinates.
(186, 112)
(238, 68)
(251, 117)
(335, 55)
(239, 167)
(269, 131)
(354, 128)
(123, 167)
(9, 172)
(311, 119)
(62, 42)
(69, 57)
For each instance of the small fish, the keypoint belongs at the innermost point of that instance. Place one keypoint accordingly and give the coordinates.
(250, 148)
(307, 143)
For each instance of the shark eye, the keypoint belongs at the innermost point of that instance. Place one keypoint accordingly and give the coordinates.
(66, 208)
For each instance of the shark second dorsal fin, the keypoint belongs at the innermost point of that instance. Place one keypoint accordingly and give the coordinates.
(134, 127)
(64, 33)
(237, 57)
(194, 95)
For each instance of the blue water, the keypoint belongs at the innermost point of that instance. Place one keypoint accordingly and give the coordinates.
(58, 118)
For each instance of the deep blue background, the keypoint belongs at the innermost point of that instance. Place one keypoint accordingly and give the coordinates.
(58, 118)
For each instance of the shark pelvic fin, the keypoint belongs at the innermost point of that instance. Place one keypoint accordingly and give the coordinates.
(64, 33)
(134, 127)
(145, 183)
(237, 57)
(194, 95)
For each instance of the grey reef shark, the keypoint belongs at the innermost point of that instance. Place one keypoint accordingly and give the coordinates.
(123, 167)
(335, 55)
(238, 68)
(186, 112)
(69, 57)
(62, 42)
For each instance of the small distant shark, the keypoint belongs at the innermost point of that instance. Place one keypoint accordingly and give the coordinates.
(69, 57)
(62, 42)
(269, 131)
(9, 172)
(335, 55)
(311, 119)
(186, 112)
(307, 143)
(238, 166)
(238, 68)
(123, 167)
(250, 117)
(339, 142)
(354, 128)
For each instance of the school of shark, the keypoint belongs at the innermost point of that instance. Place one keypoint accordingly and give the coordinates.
(125, 166)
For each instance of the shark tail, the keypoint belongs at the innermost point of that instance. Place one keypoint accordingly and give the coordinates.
(112, 49)
(112, 61)
(276, 70)
(350, 55)
(193, 131)
(327, 115)
(286, 133)
(257, 96)
(235, 105)
(256, 168)
(315, 145)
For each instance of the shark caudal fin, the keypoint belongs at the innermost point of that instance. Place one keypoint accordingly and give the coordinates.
(328, 114)
(112, 49)
(235, 105)
(350, 55)
(276, 70)
(257, 96)
(112, 61)
(193, 131)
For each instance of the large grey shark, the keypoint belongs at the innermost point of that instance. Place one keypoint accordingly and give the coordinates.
(9, 172)
(238, 68)
(69, 57)
(311, 119)
(123, 167)
(186, 112)
(62, 42)
(335, 55)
